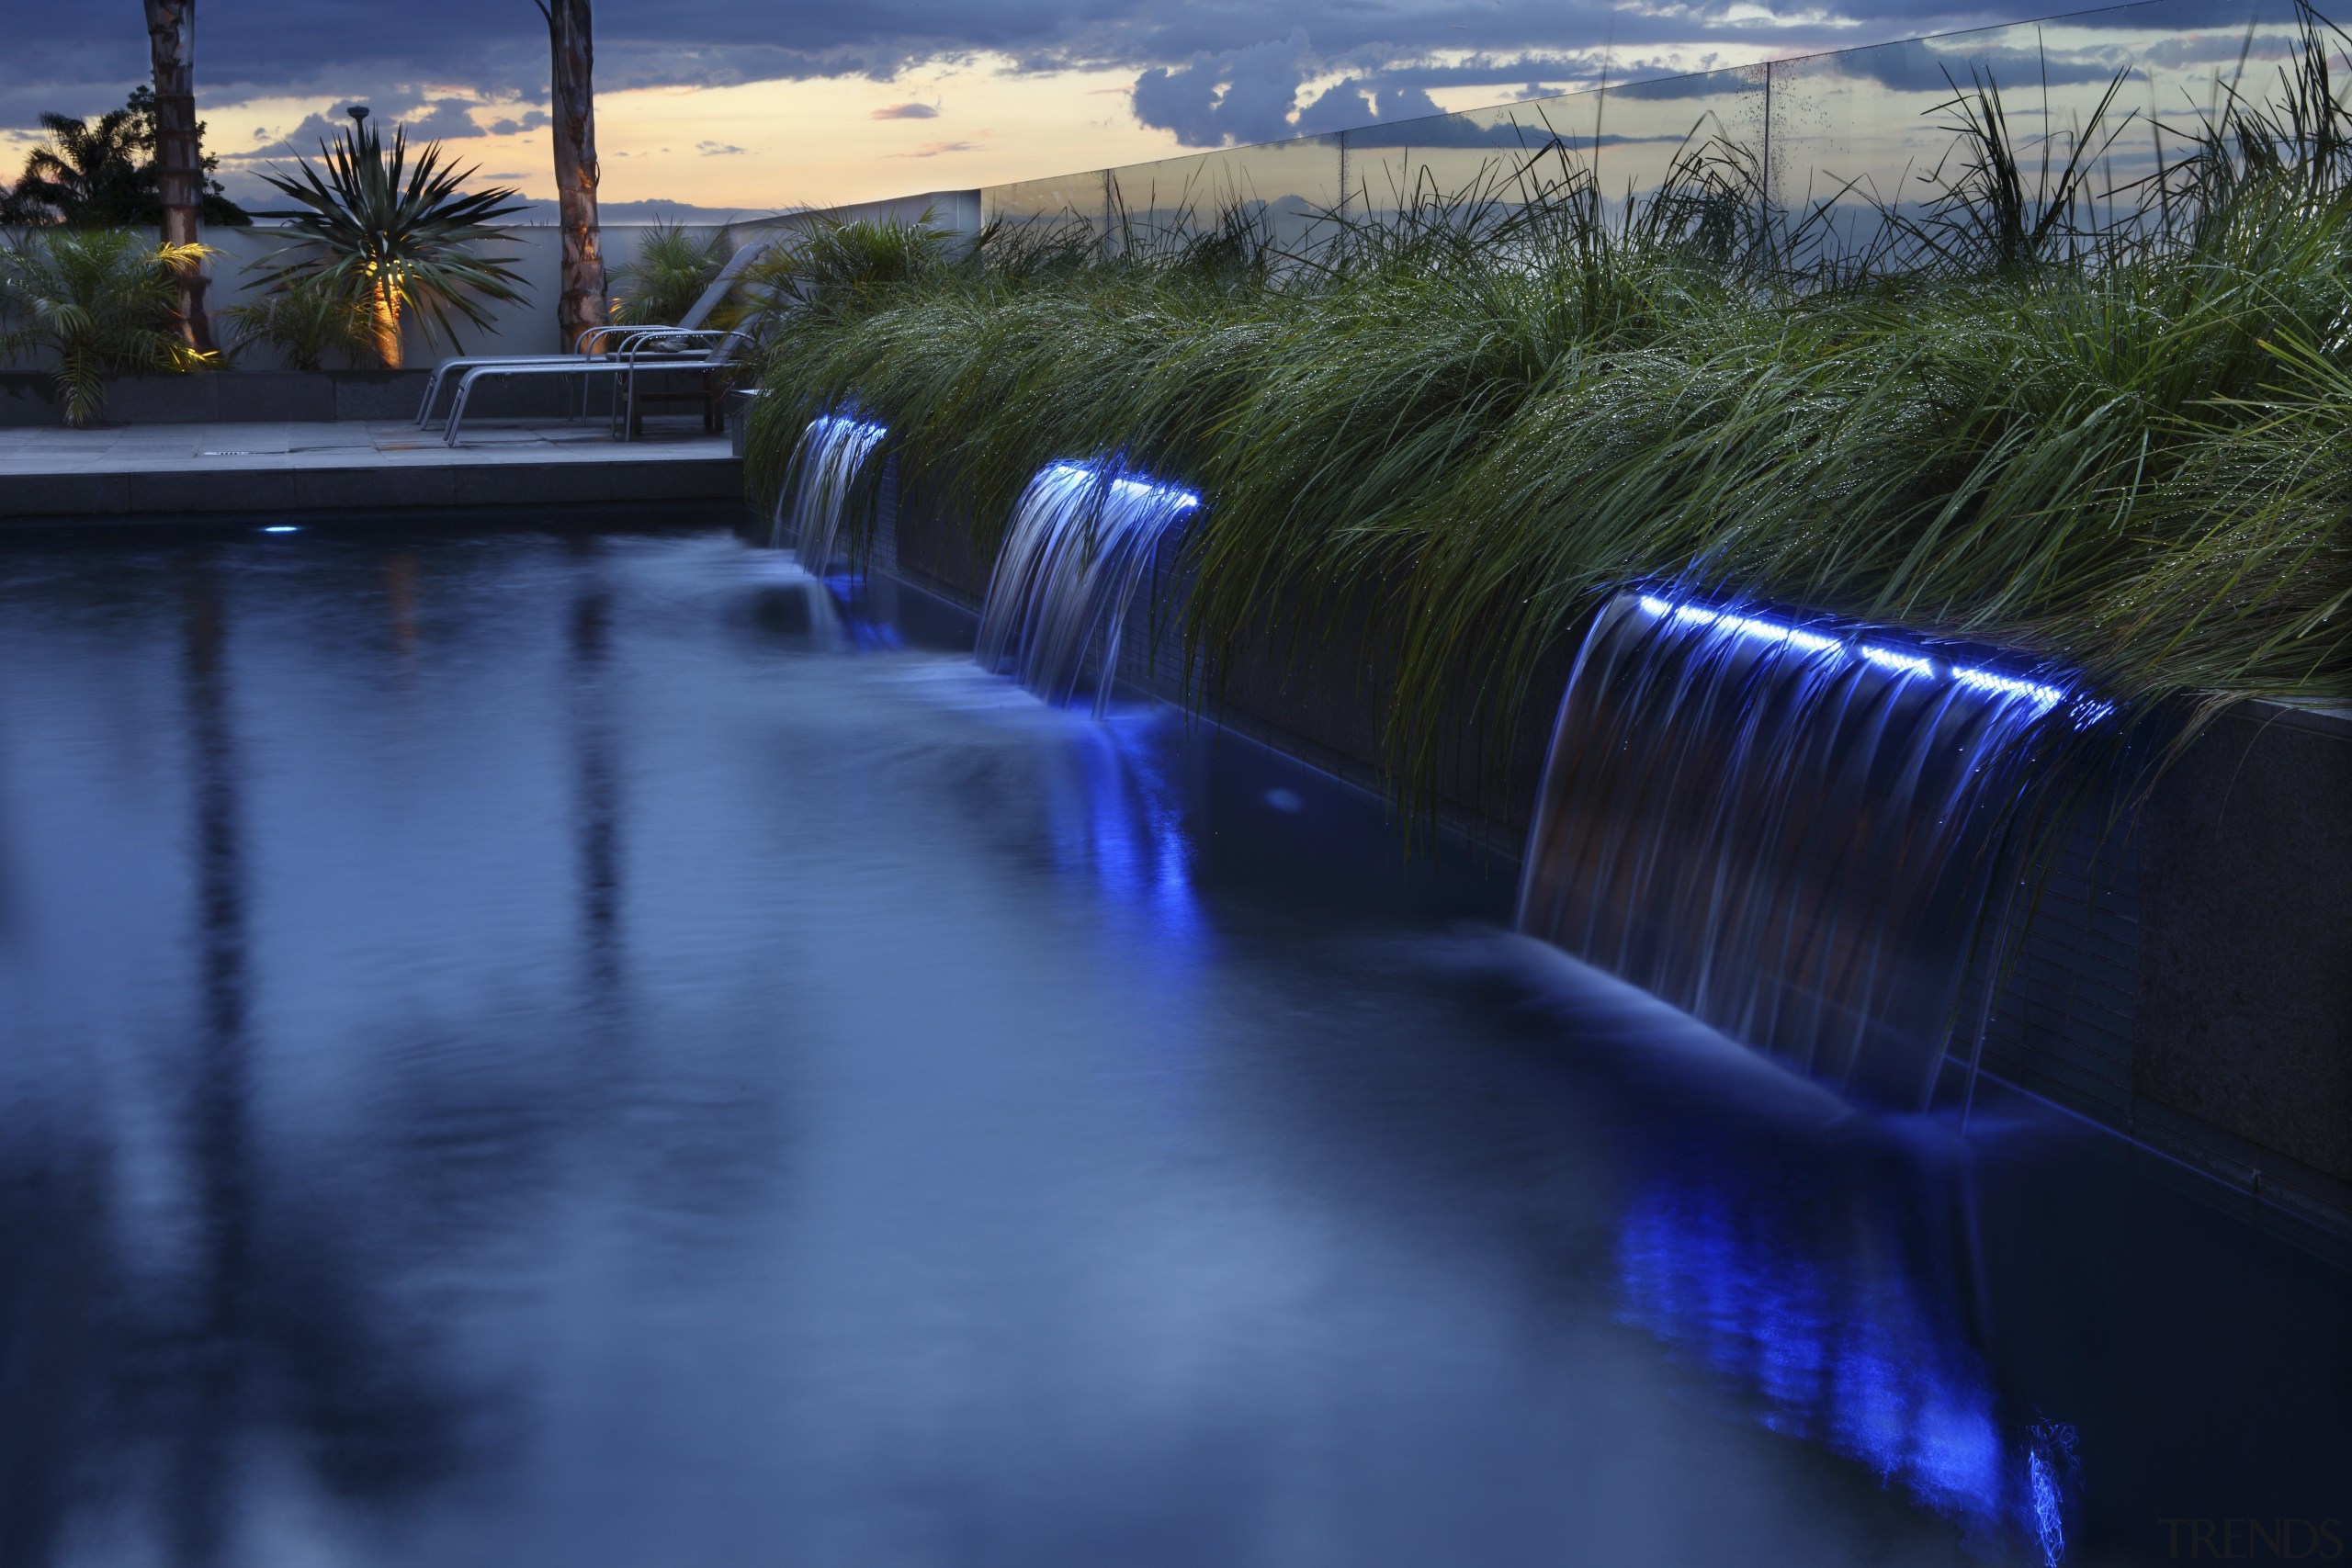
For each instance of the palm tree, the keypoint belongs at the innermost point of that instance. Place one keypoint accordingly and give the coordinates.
(104, 174)
(396, 238)
(305, 321)
(179, 160)
(101, 301)
(573, 96)
(89, 173)
(671, 269)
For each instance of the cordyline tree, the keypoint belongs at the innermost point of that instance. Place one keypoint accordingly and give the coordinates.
(572, 94)
(396, 238)
(179, 163)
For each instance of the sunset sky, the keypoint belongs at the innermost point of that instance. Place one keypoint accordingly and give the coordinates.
(750, 107)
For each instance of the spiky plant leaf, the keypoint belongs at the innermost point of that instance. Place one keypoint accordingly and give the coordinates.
(368, 225)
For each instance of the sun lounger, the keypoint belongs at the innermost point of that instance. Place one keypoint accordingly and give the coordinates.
(619, 337)
(705, 351)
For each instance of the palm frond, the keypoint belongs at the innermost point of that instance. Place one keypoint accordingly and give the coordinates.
(99, 302)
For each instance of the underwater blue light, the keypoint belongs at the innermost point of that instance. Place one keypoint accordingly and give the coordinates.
(282, 528)
(2043, 695)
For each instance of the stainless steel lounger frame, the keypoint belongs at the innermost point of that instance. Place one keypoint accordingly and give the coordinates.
(692, 321)
(709, 348)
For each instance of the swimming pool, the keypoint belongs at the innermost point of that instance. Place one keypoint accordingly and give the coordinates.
(564, 1045)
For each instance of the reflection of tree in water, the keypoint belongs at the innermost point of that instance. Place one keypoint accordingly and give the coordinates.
(597, 789)
(220, 1153)
(262, 1322)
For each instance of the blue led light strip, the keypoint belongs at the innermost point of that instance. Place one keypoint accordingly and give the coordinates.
(858, 426)
(1900, 661)
(1186, 498)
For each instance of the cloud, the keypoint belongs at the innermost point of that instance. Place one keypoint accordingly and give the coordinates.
(82, 58)
(1405, 116)
(934, 149)
(1210, 71)
(531, 120)
(1353, 103)
(1242, 94)
(1242, 97)
(442, 119)
(905, 111)
(716, 149)
(304, 138)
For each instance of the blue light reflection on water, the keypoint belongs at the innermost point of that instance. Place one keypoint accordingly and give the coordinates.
(1840, 1317)
(1123, 825)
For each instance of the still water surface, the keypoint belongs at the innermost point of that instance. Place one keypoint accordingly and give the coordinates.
(533, 1047)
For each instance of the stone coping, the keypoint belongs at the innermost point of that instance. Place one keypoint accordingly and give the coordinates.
(140, 471)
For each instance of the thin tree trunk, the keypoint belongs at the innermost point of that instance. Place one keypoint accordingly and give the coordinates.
(384, 307)
(572, 94)
(179, 162)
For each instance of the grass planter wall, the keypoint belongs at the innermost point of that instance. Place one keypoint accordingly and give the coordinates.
(1436, 437)
(2186, 976)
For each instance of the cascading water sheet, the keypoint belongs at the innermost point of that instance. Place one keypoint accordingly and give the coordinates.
(1082, 536)
(832, 452)
(1788, 834)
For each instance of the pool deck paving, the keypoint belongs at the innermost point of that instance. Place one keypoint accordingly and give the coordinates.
(158, 470)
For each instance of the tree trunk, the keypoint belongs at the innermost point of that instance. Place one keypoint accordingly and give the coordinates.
(384, 307)
(179, 163)
(572, 94)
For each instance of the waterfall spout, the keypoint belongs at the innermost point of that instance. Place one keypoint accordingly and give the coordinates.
(1787, 831)
(1082, 536)
(832, 451)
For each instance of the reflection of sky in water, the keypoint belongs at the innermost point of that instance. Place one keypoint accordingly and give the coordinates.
(1836, 1316)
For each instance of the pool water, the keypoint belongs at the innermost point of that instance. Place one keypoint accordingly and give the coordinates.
(560, 1046)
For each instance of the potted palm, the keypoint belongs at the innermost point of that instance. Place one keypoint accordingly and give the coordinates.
(399, 239)
(668, 272)
(305, 321)
(96, 302)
